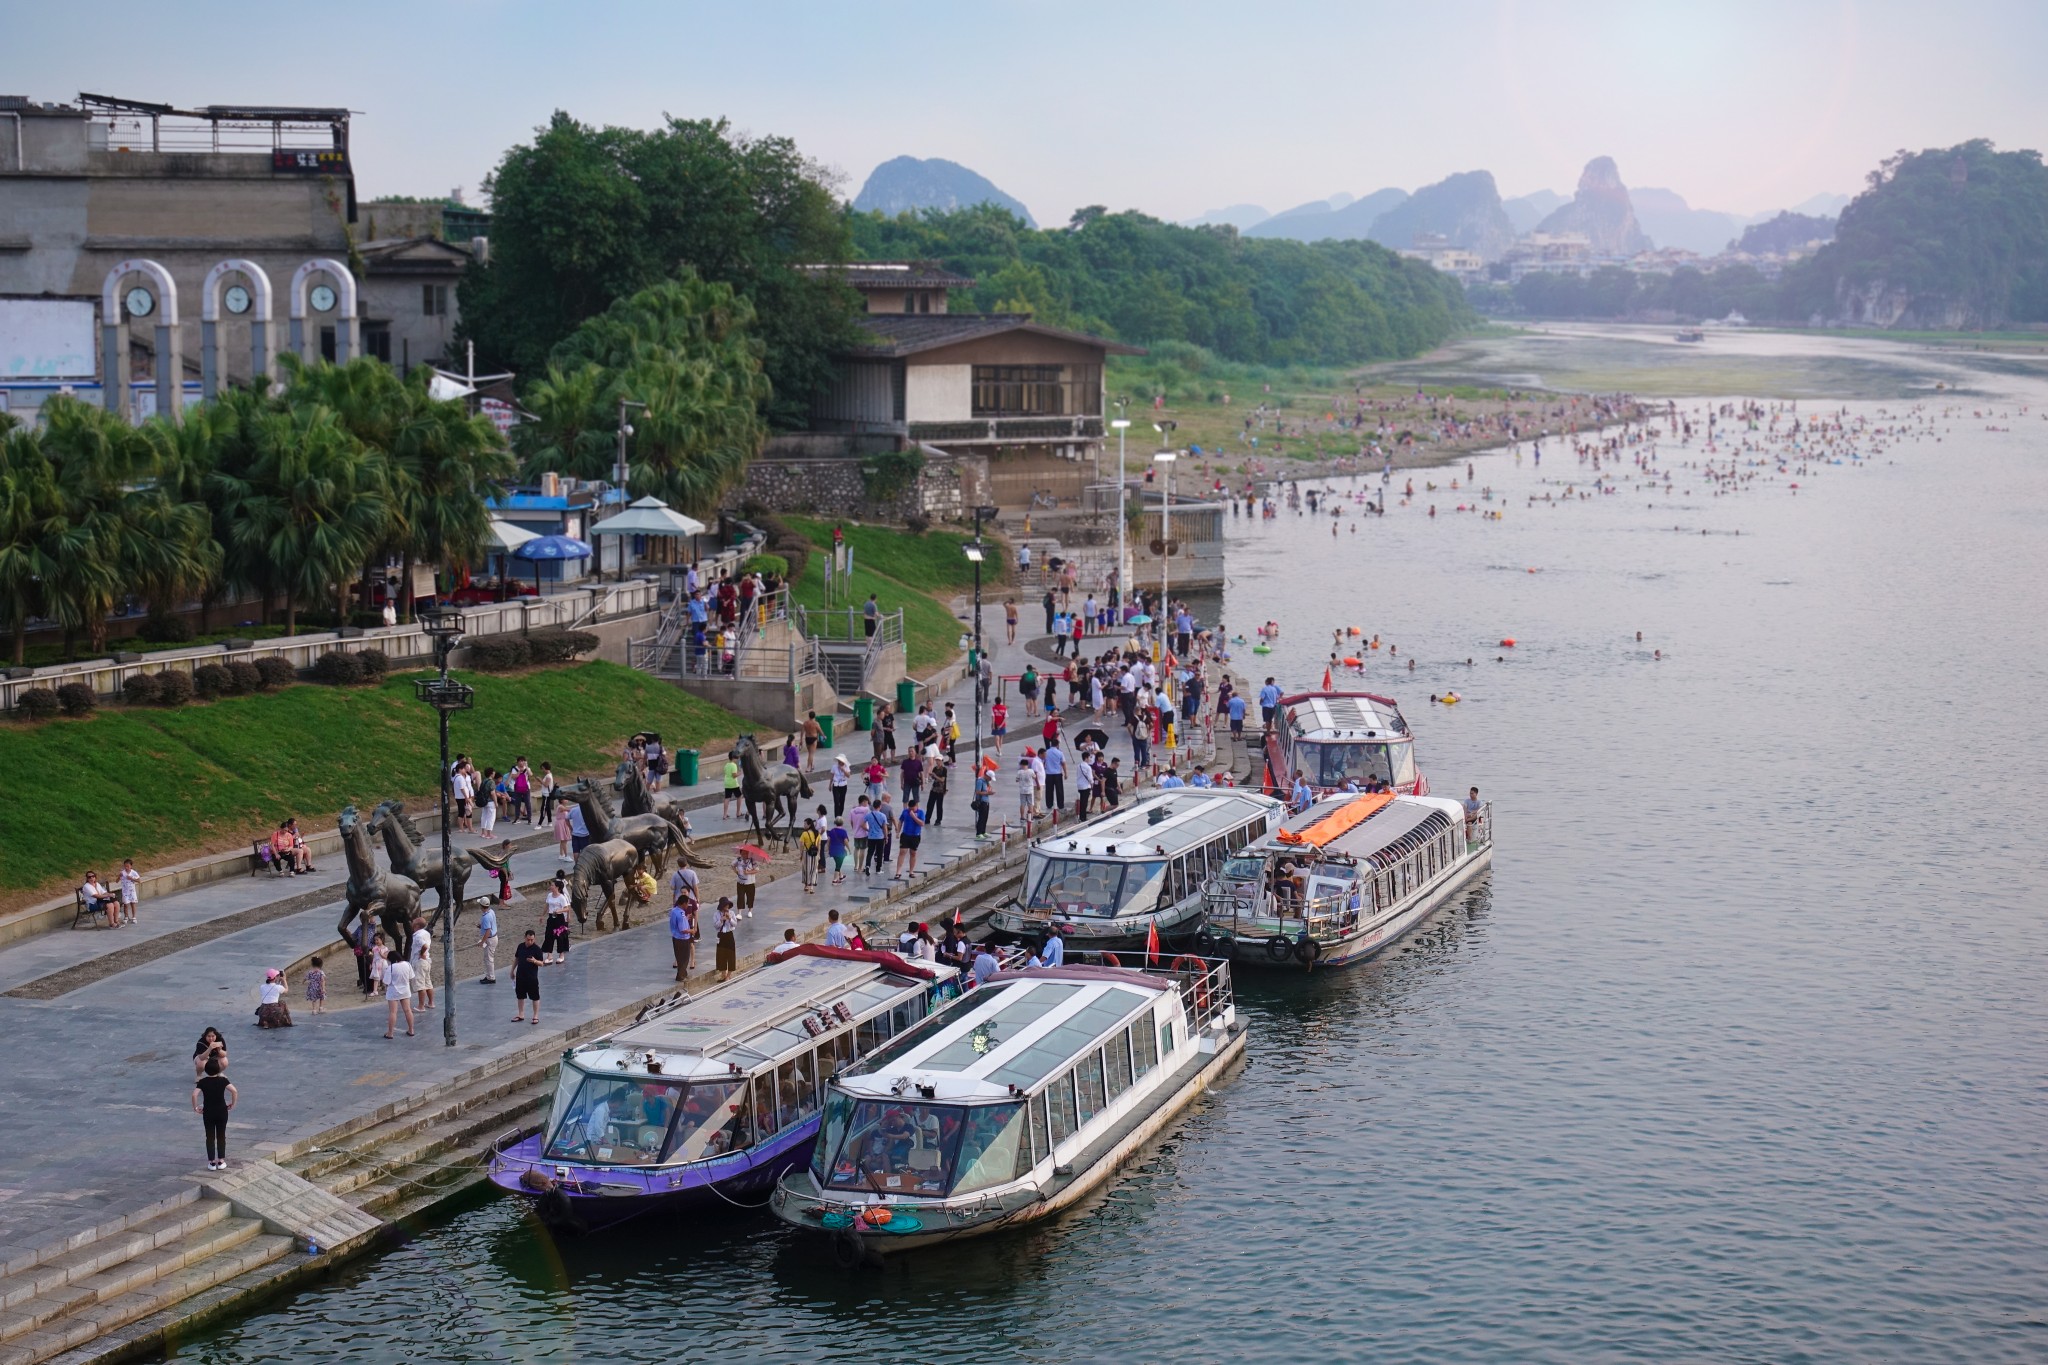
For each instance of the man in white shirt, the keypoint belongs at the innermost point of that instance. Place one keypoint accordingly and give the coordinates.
(1037, 779)
(1027, 791)
(1054, 953)
(487, 939)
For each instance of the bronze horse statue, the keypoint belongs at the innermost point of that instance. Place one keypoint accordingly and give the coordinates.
(411, 856)
(773, 786)
(602, 866)
(651, 835)
(394, 897)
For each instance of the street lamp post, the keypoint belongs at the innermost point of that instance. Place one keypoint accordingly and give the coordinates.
(625, 430)
(1166, 458)
(1122, 425)
(976, 554)
(445, 694)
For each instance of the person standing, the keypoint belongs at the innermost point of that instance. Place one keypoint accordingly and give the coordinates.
(579, 832)
(870, 616)
(130, 882)
(912, 825)
(487, 939)
(522, 791)
(526, 960)
(213, 1095)
(835, 932)
(461, 787)
(546, 810)
(809, 852)
(814, 734)
(1084, 785)
(556, 928)
(728, 939)
(487, 803)
(730, 805)
(835, 847)
(1052, 607)
(1055, 761)
(1027, 791)
(936, 782)
(565, 832)
(984, 797)
(420, 952)
(1010, 618)
(743, 871)
(842, 771)
(682, 937)
(999, 724)
(913, 777)
(398, 996)
(316, 986)
(1269, 702)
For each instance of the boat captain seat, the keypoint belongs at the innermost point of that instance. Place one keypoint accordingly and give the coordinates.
(923, 1159)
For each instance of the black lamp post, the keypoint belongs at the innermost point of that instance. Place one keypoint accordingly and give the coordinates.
(976, 554)
(445, 694)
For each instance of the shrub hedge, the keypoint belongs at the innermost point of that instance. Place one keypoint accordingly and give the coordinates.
(274, 672)
(338, 667)
(244, 676)
(141, 689)
(212, 680)
(173, 688)
(375, 664)
(38, 703)
(77, 699)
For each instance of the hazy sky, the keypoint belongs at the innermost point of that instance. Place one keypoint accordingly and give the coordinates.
(1169, 108)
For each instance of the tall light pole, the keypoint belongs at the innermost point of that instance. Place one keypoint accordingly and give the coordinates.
(1122, 425)
(625, 430)
(1165, 458)
(444, 626)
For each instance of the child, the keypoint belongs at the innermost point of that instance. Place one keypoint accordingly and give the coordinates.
(380, 962)
(130, 880)
(316, 988)
(563, 830)
(835, 843)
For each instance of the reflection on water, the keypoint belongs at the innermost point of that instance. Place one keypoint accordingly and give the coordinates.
(1737, 1054)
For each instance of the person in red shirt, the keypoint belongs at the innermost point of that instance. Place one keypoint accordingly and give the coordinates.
(999, 722)
(876, 775)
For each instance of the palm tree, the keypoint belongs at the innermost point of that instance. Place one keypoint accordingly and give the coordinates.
(445, 464)
(28, 508)
(572, 422)
(305, 501)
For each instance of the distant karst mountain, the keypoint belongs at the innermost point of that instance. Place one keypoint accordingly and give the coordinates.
(1239, 216)
(1823, 206)
(1326, 220)
(1602, 211)
(1464, 208)
(1668, 220)
(1786, 232)
(1531, 209)
(905, 184)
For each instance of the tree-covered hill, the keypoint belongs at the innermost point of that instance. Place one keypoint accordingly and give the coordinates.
(1141, 280)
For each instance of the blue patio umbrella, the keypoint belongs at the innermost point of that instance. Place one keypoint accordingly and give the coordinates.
(550, 547)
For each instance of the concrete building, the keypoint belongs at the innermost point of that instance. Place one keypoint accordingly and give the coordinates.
(408, 288)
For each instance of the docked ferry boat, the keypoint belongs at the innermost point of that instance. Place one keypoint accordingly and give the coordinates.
(1340, 881)
(708, 1100)
(1010, 1104)
(1332, 738)
(1106, 884)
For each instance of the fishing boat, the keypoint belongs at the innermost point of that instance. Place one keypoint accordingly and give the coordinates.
(1338, 882)
(1010, 1104)
(1134, 876)
(706, 1101)
(1331, 738)
(1692, 334)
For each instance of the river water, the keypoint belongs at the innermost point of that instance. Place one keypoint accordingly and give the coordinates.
(1737, 1054)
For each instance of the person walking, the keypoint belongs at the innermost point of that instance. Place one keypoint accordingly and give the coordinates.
(1055, 761)
(743, 870)
(487, 940)
(546, 810)
(682, 936)
(728, 939)
(912, 825)
(316, 986)
(999, 724)
(842, 775)
(810, 852)
(1010, 618)
(936, 782)
(526, 961)
(1027, 792)
(213, 1095)
(836, 841)
(565, 832)
(398, 996)
(522, 791)
(814, 734)
(731, 804)
(555, 931)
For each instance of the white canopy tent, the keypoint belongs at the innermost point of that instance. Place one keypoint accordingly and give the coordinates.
(649, 516)
(505, 537)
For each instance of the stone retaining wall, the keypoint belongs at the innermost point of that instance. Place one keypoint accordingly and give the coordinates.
(946, 488)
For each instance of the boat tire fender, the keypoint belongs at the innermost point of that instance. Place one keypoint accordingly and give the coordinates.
(1307, 950)
(848, 1250)
(1279, 947)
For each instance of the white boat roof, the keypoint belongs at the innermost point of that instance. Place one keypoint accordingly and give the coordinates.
(1345, 715)
(1019, 1030)
(756, 1015)
(1173, 820)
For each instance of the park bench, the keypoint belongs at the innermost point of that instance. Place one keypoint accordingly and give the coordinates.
(84, 909)
(261, 857)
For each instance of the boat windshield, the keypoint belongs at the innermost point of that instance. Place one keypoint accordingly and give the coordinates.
(1244, 869)
(619, 1120)
(1331, 764)
(1083, 886)
(897, 1147)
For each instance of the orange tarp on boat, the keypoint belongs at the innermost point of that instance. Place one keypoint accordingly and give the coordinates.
(1338, 822)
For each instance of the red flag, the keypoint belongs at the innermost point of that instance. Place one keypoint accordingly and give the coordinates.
(1152, 944)
(1328, 683)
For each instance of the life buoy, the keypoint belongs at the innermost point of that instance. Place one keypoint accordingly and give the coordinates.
(1262, 649)
(1199, 970)
(1111, 960)
(1279, 947)
(1354, 662)
(1307, 950)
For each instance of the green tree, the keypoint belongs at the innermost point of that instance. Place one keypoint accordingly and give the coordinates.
(584, 216)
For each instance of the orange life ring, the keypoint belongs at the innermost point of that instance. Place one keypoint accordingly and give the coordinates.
(1111, 960)
(1200, 971)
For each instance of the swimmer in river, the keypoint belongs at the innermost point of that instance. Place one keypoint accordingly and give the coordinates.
(1656, 653)
(1411, 665)
(1639, 637)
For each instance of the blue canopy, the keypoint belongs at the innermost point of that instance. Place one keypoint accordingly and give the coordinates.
(552, 547)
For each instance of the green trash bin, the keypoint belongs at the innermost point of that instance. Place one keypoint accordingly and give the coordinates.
(906, 696)
(863, 713)
(825, 731)
(686, 767)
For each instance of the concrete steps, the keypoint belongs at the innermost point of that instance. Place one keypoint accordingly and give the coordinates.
(74, 1297)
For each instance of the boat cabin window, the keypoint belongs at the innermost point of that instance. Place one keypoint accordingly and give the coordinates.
(714, 1121)
(1116, 1056)
(1144, 1048)
(1088, 1086)
(890, 1146)
(1081, 886)
(994, 1148)
(619, 1120)
(1058, 1044)
(938, 1022)
(1244, 869)
(1330, 763)
(1041, 1145)
(1166, 1039)
(796, 1091)
(1059, 1100)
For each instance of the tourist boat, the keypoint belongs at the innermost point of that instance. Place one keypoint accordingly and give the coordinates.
(1133, 877)
(707, 1100)
(1010, 1104)
(1331, 738)
(1341, 880)
(1692, 334)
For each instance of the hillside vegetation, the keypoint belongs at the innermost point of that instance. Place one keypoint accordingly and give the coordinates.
(166, 784)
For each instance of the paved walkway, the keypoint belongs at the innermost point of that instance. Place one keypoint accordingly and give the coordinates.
(96, 1116)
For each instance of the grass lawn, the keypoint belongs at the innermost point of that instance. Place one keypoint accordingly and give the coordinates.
(164, 784)
(919, 573)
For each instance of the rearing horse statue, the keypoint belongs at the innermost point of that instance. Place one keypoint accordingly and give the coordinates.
(411, 856)
(775, 786)
(652, 836)
(395, 897)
